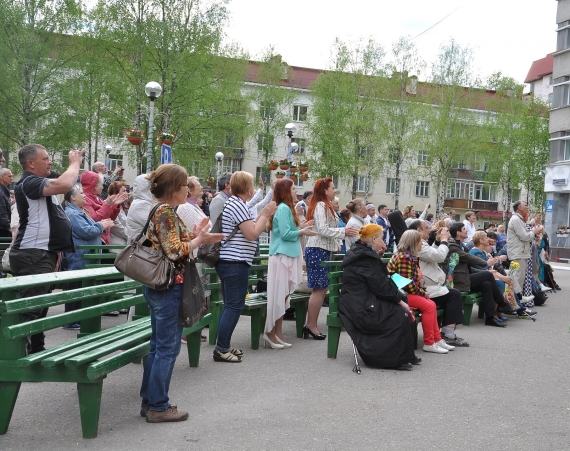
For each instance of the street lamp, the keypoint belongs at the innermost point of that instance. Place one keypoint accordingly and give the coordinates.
(291, 129)
(108, 149)
(153, 91)
(219, 159)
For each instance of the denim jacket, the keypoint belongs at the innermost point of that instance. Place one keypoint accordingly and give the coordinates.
(84, 230)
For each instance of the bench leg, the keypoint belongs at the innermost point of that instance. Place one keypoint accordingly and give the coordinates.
(481, 312)
(256, 327)
(333, 341)
(193, 342)
(8, 394)
(89, 407)
(414, 327)
(216, 311)
(467, 311)
(300, 316)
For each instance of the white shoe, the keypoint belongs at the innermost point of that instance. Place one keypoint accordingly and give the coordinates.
(435, 348)
(285, 344)
(442, 344)
(543, 288)
(267, 341)
(527, 298)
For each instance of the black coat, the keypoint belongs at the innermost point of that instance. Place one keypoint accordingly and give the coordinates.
(398, 224)
(370, 311)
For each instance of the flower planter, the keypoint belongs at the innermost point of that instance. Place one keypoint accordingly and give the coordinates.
(210, 182)
(303, 168)
(293, 170)
(293, 177)
(562, 235)
(279, 176)
(304, 178)
(168, 142)
(135, 140)
(272, 167)
(284, 166)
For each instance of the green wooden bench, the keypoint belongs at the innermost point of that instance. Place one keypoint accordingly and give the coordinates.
(4, 244)
(99, 259)
(85, 359)
(256, 308)
(469, 300)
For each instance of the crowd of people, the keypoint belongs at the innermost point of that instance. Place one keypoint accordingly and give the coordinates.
(436, 258)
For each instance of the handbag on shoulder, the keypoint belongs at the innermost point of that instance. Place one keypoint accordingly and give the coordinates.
(194, 304)
(210, 253)
(144, 264)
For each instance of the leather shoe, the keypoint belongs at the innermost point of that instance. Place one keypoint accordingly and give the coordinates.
(416, 360)
(404, 367)
(508, 309)
(494, 322)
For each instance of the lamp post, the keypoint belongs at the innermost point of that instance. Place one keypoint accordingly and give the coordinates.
(291, 129)
(108, 149)
(153, 91)
(219, 159)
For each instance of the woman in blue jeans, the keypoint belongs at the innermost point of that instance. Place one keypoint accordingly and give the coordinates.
(236, 256)
(169, 185)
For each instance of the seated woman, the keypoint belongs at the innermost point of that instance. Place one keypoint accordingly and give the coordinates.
(405, 262)
(373, 310)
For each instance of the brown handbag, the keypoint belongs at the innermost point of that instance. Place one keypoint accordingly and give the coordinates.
(144, 264)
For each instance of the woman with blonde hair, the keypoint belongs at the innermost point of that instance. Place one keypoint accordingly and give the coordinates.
(169, 185)
(405, 262)
(285, 270)
(409, 213)
(320, 248)
(359, 218)
(373, 310)
(236, 256)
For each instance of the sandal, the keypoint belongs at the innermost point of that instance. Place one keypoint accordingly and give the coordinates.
(226, 357)
(235, 351)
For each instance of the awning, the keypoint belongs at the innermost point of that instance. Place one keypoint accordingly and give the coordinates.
(490, 214)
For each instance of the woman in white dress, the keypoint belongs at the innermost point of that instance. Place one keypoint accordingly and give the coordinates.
(285, 269)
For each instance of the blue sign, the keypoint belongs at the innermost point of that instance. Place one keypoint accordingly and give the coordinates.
(549, 206)
(165, 154)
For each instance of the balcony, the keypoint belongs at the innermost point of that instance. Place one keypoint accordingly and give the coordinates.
(475, 205)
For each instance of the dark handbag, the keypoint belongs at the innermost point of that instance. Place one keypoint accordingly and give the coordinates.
(210, 253)
(194, 304)
(144, 264)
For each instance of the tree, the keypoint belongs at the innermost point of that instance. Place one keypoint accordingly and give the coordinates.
(453, 134)
(343, 128)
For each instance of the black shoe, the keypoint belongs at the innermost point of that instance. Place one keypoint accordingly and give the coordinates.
(307, 332)
(417, 360)
(558, 287)
(325, 303)
(404, 367)
(115, 313)
(457, 342)
(493, 322)
(289, 317)
(509, 309)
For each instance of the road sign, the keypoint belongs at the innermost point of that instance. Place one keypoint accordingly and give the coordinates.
(549, 206)
(165, 154)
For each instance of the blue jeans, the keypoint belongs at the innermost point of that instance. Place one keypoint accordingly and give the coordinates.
(164, 346)
(234, 278)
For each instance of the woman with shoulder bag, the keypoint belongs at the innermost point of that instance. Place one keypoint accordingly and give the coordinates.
(236, 256)
(319, 249)
(169, 185)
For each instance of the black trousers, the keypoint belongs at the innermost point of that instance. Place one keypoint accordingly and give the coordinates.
(485, 283)
(26, 262)
(452, 304)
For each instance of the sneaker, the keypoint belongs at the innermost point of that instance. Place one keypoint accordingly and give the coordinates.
(75, 326)
(183, 340)
(543, 288)
(442, 344)
(170, 414)
(435, 348)
(115, 313)
(530, 312)
(527, 299)
(457, 342)
(145, 410)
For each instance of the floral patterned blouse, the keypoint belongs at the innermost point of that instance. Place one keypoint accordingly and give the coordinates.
(167, 230)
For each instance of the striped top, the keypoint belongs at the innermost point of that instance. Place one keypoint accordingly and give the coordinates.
(238, 248)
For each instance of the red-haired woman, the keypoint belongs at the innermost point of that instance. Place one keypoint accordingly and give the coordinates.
(285, 269)
(319, 249)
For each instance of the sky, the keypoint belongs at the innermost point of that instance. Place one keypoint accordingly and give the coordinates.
(505, 35)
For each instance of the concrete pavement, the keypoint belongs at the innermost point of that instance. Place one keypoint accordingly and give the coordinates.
(510, 390)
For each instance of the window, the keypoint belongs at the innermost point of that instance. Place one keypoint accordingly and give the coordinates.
(364, 152)
(566, 146)
(300, 113)
(484, 192)
(393, 156)
(480, 164)
(362, 183)
(267, 111)
(515, 194)
(113, 161)
(422, 189)
(299, 184)
(265, 176)
(550, 97)
(302, 142)
(560, 146)
(460, 165)
(231, 165)
(563, 36)
(561, 94)
(265, 143)
(531, 87)
(458, 189)
(422, 158)
(391, 185)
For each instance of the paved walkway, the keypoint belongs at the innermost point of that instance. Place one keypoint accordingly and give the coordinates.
(510, 390)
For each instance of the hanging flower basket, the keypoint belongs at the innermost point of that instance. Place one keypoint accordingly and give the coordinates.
(272, 165)
(165, 138)
(563, 231)
(293, 168)
(303, 168)
(210, 182)
(293, 177)
(279, 174)
(284, 164)
(304, 176)
(135, 136)
(135, 140)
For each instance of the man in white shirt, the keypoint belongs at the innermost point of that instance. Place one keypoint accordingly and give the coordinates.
(470, 228)
(371, 210)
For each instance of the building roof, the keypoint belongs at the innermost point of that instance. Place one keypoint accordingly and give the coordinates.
(540, 68)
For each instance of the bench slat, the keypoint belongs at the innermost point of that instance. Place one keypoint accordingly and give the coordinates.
(40, 325)
(100, 369)
(40, 356)
(51, 299)
(83, 348)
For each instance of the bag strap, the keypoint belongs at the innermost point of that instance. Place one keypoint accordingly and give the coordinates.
(234, 231)
(150, 216)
